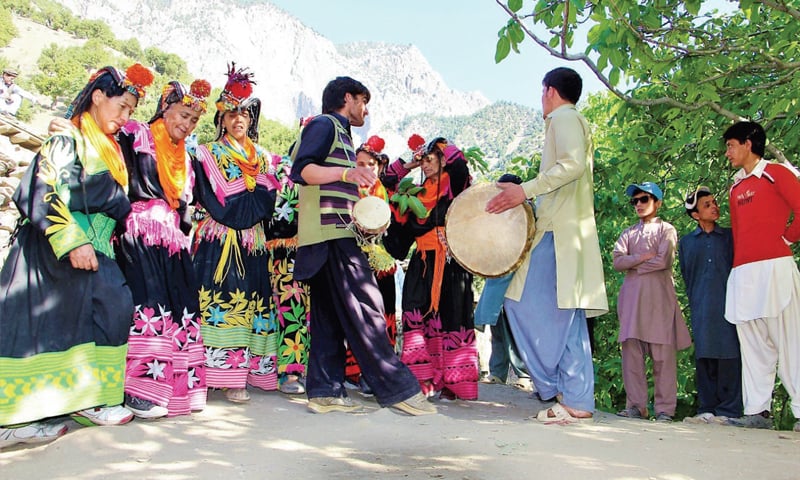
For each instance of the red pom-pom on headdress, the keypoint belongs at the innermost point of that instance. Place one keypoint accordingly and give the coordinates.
(415, 142)
(374, 144)
(139, 76)
(200, 88)
(239, 83)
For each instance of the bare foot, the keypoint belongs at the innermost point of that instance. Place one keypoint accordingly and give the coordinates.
(577, 413)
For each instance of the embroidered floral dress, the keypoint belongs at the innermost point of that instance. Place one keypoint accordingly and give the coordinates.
(63, 331)
(290, 298)
(231, 260)
(165, 351)
(439, 343)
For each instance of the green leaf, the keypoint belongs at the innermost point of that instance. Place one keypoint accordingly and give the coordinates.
(514, 5)
(516, 33)
(613, 76)
(503, 49)
(403, 203)
(417, 207)
(405, 184)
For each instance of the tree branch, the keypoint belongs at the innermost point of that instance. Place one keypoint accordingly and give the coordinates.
(781, 7)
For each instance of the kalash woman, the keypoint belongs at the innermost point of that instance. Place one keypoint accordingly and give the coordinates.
(165, 374)
(369, 154)
(439, 343)
(290, 298)
(65, 309)
(236, 186)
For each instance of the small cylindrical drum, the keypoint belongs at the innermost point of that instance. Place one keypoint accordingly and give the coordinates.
(487, 244)
(371, 215)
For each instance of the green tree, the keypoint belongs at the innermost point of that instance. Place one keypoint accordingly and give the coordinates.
(93, 29)
(61, 74)
(93, 54)
(7, 28)
(275, 136)
(130, 47)
(167, 64)
(678, 73)
(687, 65)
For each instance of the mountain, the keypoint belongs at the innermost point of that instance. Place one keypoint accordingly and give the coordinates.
(292, 63)
(502, 130)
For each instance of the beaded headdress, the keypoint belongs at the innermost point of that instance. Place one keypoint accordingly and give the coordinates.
(194, 97)
(135, 79)
(237, 96)
(237, 89)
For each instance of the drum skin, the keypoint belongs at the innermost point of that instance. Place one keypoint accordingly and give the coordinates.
(487, 244)
(371, 215)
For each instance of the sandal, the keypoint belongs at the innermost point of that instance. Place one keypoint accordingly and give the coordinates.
(237, 395)
(631, 412)
(557, 415)
(292, 387)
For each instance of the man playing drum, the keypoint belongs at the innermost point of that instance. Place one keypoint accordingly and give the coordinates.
(345, 301)
(549, 324)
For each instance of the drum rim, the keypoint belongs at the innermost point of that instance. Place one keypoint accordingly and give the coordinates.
(525, 249)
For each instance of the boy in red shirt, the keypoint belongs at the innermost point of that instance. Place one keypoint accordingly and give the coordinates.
(763, 294)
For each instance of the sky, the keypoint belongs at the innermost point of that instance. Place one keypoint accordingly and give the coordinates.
(457, 37)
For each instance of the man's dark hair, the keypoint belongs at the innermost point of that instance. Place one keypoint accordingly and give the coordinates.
(566, 81)
(743, 131)
(333, 95)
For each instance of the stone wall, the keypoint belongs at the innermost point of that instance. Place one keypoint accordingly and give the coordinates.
(18, 145)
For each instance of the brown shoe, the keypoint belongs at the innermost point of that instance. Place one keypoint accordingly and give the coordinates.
(333, 404)
(416, 405)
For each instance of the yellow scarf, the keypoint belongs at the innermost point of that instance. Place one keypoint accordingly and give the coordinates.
(107, 147)
(170, 161)
(245, 157)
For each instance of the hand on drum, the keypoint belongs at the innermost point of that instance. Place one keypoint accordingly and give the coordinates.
(511, 196)
(83, 258)
(363, 176)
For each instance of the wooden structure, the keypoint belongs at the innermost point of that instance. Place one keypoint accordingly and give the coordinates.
(19, 133)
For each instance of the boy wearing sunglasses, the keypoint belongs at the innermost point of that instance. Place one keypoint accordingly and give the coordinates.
(651, 323)
(705, 256)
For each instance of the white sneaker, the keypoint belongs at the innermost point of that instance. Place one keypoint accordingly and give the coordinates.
(144, 408)
(116, 415)
(36, 432)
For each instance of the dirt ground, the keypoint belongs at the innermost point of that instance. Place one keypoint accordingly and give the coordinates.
(493, 438)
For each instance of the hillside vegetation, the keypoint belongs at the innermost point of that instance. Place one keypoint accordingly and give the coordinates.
(502, 131)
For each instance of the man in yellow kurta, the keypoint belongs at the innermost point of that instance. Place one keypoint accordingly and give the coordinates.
(560, 282)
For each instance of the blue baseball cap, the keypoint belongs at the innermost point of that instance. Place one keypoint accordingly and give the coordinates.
(648, 187)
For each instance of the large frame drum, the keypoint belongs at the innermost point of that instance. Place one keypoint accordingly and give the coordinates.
(487, 244)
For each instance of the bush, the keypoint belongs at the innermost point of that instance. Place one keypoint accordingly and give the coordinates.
(7, 28)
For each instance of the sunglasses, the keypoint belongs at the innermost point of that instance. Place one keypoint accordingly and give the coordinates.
(691, 199)
(643, 200)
